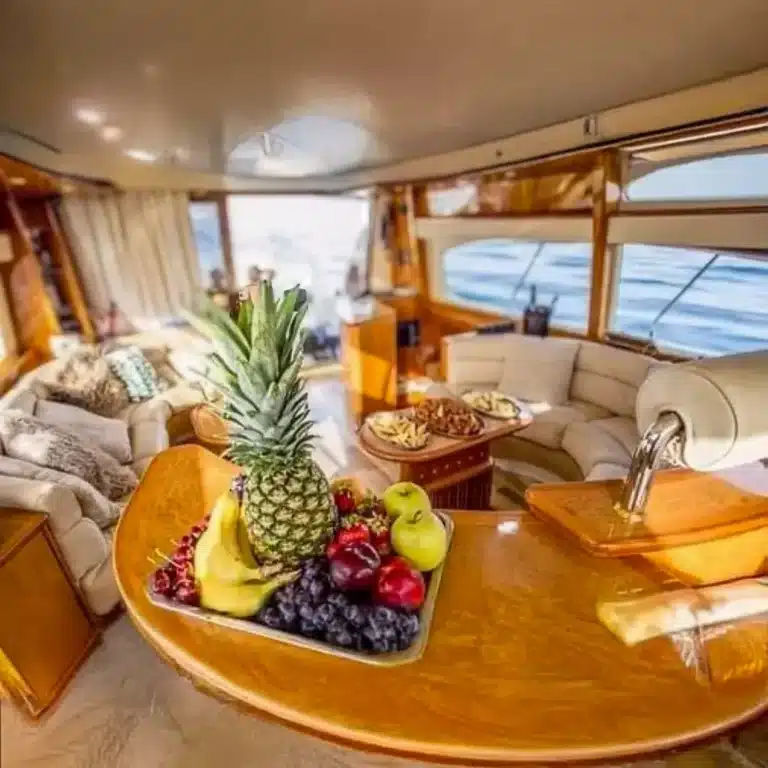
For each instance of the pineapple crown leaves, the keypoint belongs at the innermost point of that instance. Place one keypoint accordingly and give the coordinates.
(255, 366)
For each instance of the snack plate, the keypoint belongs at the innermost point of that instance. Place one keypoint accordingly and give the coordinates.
(411, 654)
(493, 414)
(369, 423)
(452, 436)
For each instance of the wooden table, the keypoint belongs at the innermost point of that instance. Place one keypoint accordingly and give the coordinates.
(457, 473)
(517, 669)
(46, 629)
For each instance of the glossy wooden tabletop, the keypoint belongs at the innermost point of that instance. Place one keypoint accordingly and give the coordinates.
(517, 668)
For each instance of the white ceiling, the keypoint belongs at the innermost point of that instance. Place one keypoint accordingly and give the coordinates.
(346, 84)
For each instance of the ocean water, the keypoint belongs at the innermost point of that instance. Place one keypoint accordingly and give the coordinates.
(725, 311)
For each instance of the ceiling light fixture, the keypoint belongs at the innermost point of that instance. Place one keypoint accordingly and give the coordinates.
(142, 155)
(111, 133)
(89, 116)
(17, 181)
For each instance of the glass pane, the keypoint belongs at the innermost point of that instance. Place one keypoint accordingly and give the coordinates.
(725, 311)
(205, 228)
(485, 273)
(318, 242)
(714, 178)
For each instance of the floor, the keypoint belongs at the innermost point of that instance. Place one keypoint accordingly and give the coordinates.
(127, 709)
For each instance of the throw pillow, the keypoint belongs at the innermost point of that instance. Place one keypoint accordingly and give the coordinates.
(30, 439)
(135, 371)
(538, 369)
(85, 380)
(110, 435)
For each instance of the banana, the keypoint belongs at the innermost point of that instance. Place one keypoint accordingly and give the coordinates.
(221, 554)
(240, 600)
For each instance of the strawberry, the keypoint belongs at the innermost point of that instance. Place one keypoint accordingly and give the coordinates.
(344, 500)
(358, 532)
(381, 542)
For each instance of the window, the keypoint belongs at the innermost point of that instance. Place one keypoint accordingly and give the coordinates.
(740, 176)
(724, 311)
(204, 217)
(320, 242)
(486, 274)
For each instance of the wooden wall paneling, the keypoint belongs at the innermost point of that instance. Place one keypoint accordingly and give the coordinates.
(33, 314)
(70, 282)
(603, 256)
(369, 356)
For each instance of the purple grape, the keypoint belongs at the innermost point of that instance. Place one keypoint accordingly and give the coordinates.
(356, 616)
(271, 618)
(338, 600)
(318, 589)
(403, 641)
(372, 634)
(286, 594)
(301, 597)
(238, 487)
(315, 567)
(343, 638)
(287, 614)
(308, 629)
(408, 624)
(383, 615)
(324, 614)
(307, 612)
(337, 624)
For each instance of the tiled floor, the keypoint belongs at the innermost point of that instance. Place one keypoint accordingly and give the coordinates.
(128, 709)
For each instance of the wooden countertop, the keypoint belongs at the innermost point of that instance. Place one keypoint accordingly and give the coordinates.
(517, 668)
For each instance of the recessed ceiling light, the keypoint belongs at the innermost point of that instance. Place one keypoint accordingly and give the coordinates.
(111, 133)
(181, 153)
(89, 116)
(142, 155)
(17, 181)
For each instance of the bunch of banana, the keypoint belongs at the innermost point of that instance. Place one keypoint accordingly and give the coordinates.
(398, 429)
(229, 579)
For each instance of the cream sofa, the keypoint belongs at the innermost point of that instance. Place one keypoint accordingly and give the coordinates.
(582, 395)
(87, 548)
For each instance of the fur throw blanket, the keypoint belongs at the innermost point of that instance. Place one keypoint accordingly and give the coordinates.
(30, 439)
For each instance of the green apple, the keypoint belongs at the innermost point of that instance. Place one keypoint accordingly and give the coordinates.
(403, 498)
(420, 538)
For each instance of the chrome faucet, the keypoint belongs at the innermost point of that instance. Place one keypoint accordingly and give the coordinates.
(645, 461)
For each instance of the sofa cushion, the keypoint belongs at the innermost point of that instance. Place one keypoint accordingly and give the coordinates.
(58, 502)
(148, 438)
(589, 411)
(110, 435)
(85, 380)
(590, 445)
(20, 399)
(605, 471)
(156, 409)
(29, 439)
(622, 429)
(100, 588)
(92, 504)
(83, 547)
(609, 377)
(538, 370)
(549, 424)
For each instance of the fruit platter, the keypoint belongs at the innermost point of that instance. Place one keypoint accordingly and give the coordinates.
(491, 403)
(368, 597)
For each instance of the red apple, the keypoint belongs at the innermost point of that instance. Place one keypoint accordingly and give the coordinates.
(353, 534)
(354, 566)
(398, 585)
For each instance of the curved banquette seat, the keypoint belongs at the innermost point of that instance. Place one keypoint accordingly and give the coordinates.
(582, 394)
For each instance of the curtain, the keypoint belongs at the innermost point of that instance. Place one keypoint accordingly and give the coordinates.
(136, 249)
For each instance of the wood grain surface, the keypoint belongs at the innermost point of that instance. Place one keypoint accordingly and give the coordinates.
(517, 668)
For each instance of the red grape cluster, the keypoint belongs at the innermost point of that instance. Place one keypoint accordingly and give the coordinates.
(313, 607)
(176, 579)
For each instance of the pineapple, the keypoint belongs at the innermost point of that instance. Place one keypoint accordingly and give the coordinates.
(286, 504)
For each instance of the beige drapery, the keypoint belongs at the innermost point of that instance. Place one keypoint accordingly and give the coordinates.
(134, 248)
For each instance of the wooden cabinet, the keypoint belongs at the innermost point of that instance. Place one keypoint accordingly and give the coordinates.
(46, 631)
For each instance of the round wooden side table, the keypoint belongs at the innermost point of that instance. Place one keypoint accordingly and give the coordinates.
(209, 428)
